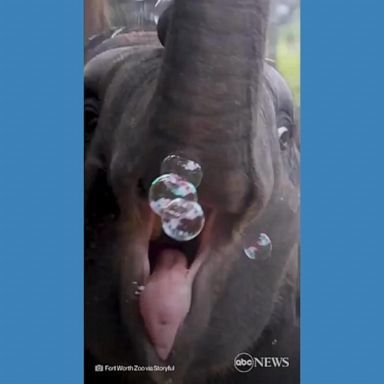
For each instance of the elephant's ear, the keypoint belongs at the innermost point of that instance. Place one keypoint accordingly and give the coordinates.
(91, 114)
(98, 74)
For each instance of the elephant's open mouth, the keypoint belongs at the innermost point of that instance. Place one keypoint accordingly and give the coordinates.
(192, 251)
(163, 242)
(166, 298)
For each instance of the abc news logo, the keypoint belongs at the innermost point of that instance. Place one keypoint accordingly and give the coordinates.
(244, 362)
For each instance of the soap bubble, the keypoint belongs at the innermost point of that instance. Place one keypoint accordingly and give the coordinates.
(183, 220)
(187, 169)
(261, 249)
(167, 188)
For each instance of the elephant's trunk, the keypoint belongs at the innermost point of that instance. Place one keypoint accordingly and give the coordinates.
(208, 87)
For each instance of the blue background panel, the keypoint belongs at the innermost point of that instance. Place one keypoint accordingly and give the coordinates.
(342, 191)
(41, 192)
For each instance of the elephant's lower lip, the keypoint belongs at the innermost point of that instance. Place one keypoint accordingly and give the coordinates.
(166, 300)
(170, 274)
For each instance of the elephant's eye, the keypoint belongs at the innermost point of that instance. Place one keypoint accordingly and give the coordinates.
(283, 137)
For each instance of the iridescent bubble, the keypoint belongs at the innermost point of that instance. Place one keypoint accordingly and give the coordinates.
(167, 188)
(183, 220)
(187, 169)
(261, 249)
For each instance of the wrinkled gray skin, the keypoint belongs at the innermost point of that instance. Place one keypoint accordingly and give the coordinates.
(209, 96)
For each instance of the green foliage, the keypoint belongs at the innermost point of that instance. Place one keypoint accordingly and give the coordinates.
(288, 54)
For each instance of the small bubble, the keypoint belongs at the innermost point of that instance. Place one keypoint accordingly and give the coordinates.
(274, 341)
(187, 169)
(183, 220)
(261, 249)
(167, 188)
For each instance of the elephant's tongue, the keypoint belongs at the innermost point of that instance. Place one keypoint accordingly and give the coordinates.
(166, 300)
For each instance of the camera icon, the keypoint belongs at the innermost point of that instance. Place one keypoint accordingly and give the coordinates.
(99, 368)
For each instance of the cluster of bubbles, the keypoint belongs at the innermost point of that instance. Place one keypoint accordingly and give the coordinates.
(167, 188)
(173, 196)
(259, 249)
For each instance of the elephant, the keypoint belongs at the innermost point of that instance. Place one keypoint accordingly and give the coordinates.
(203, 306)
